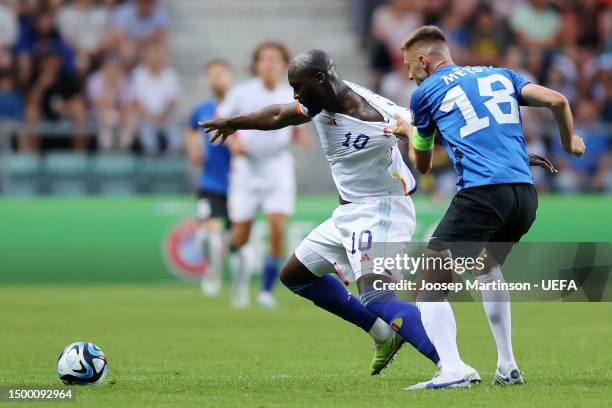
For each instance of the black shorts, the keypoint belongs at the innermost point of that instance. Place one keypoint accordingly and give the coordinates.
(211, 205)
(494, 217)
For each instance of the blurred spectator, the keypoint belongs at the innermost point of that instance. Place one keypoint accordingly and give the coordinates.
(514, 57)
(6, 60)
(589, 17)
(108, 94)
(536, 24)
(40, 35)
(591, 172)
(488, 38)
(604, 27)
(562, 76)
(141, 21)
(390, 24)
(363, 11)
(156, 91)
(8, 25)
(397, 86)
(11, 101)
(457, 35)
(53, 96)
(84, 25)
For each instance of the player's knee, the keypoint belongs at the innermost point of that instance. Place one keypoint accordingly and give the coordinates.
(294, 274)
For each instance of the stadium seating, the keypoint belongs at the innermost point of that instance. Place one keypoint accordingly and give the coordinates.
(163, 175)
(114, 174)
(21, 174)
(66, 173)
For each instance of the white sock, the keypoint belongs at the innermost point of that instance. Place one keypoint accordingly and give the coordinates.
(439, 322)
(380, 331)
(240, 266)
(200, 238)
(214, 245)
(496, 304)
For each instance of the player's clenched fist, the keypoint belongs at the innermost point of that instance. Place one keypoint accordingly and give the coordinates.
(402, 128)
(577, 147)
(221, 128)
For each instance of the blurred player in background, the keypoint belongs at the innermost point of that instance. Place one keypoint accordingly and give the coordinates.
(211, 208)
(263, 176)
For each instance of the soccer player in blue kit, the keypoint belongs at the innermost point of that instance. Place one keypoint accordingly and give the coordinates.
(211, 207)
(475, 113)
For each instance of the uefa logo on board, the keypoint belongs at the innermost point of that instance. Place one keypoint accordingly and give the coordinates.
(181, 252)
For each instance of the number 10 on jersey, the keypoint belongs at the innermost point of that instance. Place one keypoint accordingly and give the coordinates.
(364, 241)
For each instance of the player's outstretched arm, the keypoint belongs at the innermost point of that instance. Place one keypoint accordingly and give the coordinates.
(536, 95)
(269, 118)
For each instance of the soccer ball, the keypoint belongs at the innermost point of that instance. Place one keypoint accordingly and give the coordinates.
(82, 363)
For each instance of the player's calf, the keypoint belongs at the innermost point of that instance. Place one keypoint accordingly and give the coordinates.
(328, 293)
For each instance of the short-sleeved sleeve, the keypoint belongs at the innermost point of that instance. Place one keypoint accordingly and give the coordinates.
(194, 118)
(424, 126)
(201, 113)
(518, 81)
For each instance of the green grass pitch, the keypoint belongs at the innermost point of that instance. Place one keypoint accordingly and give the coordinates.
(168, 346)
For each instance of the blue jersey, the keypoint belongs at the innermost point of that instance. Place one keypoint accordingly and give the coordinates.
(215, 172)
(475, 111)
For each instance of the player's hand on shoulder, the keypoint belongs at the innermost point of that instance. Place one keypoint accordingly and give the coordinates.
(577, 147)
(220, 128)
(402, 128)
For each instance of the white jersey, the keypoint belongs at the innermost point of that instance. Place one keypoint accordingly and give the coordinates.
(364, 157)
(250, 96)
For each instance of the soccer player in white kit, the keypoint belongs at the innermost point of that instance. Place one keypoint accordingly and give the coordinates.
(262, 173)
(356, 130)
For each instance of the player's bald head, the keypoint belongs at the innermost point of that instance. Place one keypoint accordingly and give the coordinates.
(312, 75)
(310, 62)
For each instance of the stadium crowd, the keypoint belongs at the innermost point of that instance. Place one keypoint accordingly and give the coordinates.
(99, 66)
(102, 68)
(563, 44)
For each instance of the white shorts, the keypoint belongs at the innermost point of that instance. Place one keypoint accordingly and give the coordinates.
(267, 185)
(356, 234)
